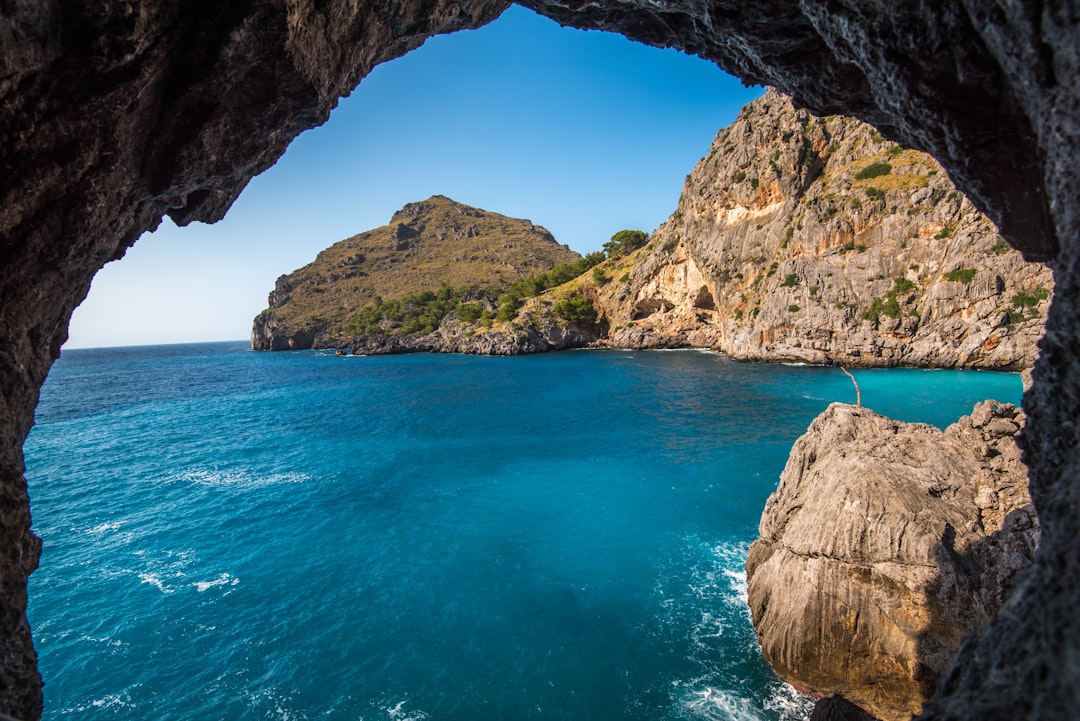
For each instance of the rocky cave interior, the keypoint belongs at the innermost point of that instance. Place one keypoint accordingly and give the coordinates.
(114, 114)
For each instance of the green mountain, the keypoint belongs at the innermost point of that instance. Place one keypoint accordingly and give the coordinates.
(428, 244)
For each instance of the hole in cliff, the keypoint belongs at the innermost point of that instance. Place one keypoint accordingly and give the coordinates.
(650, 306)
(704, 299)
(584, 133)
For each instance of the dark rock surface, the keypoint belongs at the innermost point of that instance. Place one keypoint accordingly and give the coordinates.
(836, 708)
(113, 114)
(885, 544)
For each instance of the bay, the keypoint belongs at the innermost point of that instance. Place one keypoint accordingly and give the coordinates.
(239, 535)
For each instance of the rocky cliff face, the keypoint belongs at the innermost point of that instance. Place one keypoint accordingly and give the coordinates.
(812, 239)
(453, 336)
(885, 545)
(115, 113)
(425, 245)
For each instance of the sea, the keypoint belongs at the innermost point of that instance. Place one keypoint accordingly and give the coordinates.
(294, 536)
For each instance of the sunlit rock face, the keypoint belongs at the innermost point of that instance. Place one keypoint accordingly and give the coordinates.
(113, 114)
(885, 544)
(807, 239)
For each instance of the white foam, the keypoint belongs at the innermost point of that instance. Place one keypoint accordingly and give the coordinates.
(239, 479)
(104, 528)
(109, 701)
(783, 703)
(789, 704)
(222, 580)
(738, 585)
(277, 705)
(107, 641)
(719, 705)
(397, 712)
(154, 580)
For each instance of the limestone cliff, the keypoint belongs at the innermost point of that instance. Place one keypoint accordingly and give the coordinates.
(884, 546)
(426, 244)
(816, 239)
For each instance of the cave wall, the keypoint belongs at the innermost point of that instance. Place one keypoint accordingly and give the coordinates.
(114, 113)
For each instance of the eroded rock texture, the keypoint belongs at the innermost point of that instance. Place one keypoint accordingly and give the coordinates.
(114, 113)
(799, 238)
(886, 544)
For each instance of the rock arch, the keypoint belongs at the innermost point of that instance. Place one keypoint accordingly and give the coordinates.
(113, 114)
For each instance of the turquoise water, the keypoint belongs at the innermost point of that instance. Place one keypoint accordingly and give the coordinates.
(238, 535)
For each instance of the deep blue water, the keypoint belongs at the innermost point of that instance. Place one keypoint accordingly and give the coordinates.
(239, 535)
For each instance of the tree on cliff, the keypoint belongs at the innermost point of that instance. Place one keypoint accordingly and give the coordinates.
(625, 241)
(576, 309)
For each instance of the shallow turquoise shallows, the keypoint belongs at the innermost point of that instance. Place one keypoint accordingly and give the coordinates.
(292, 536)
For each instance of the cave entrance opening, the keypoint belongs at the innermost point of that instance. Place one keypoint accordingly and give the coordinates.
(584, 133)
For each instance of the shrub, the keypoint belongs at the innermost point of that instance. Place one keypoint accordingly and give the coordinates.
(961, 275)
(874, 193)
(576, 309)
(790, 280)
(1001, 246)
(772, 269)
(793, 308)
(1024, 299)
(943, 233)
(754, 183)
(509, 305)
(599, 276)
(739, 177)
(902, 285)
(469, 312)
(887, 305)
(625, 241)
(873, 170)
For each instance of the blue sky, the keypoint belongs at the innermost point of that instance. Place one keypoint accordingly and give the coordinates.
(584, 133)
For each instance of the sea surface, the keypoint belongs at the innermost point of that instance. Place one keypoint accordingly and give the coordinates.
(293, 536)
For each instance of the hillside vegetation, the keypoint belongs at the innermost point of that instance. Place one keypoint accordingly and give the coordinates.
(427, 246)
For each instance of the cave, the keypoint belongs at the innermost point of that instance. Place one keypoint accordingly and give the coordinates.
(649, 306)
(115, 114)
(703, 300)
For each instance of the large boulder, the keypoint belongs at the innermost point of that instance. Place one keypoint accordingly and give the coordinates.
(884, 546)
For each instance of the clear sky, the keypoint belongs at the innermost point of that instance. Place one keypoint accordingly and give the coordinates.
(584, 133)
